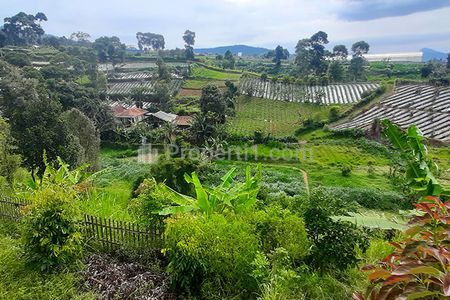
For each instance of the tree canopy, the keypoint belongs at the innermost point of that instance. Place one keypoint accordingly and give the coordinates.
(340, 52)
(109, 49)
(189, 38)
(148, 40)
(23, 29)
(311, 54)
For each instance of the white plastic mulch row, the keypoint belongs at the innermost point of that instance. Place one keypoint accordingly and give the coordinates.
(330, 94)
(426, 106)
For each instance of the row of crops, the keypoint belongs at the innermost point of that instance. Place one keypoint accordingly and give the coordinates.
(131, 104)
(140, 66)
(131, 76)
(330, 94)
(125, 88)
(426, 106)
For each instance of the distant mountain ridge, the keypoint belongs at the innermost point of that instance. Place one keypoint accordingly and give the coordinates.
(235, 49)
(430, 54)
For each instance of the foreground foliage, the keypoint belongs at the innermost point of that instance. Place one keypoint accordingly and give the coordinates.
(419, 265)
(51, 231)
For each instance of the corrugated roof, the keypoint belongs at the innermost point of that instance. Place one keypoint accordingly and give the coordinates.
(183, 121)
(168, 117)
(122, 112)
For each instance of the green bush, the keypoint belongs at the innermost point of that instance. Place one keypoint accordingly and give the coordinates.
(279, 228)
(147, 204)
(331, 202)
(51, 230)
(334, 242)
(171, 171)
(211, 256)
(346, 171)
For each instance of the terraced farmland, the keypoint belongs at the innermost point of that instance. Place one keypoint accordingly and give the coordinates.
(124, 88)
(122, 84)
(426, 106)
(131, 76)
(140, 66)
(145, 105)
(331, 94)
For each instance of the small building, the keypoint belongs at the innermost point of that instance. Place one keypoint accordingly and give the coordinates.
(129, 116)
(160, 118)
(183, 121)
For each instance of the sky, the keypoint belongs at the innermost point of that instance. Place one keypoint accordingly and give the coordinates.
(387, 25)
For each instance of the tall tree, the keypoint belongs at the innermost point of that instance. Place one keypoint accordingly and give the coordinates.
(340, 52)
(336, 71)
(162, 95)
(229, 60)
(163, 70)
(189, 39)
(448, 61)
(358, 61)
(85, 135)
(360, 48)
(212, 103)
(109, 49)
(80, 36)
(9, 162)
(148, 40)
(23, 29)
(35, 120)
(280, 53)
(311, 54)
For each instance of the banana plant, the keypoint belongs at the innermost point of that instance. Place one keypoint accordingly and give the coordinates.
(229, 195)
(419, 169)
(60, 175)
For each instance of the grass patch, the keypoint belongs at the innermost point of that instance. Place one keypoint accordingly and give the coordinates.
(201, 72)
(319, 175)
(112, 186)
(278, 118)
(201, 83)
(19, 281)
(109, 202)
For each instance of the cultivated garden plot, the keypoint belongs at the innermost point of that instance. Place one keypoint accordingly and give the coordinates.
(277, 118)
(140, 65)
(330, 94)
(125, 88)
(426, 106)
(135, 76)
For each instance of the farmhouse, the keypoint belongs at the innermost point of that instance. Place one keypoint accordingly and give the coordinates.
(128, 116)
(160, 118)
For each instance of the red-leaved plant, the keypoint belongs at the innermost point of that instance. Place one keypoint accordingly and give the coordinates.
(419, 267)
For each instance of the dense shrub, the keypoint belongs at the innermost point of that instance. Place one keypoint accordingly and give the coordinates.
(279, 228)
(334, 242)
(369, 198)
(346, 171)
(211, 256)
(332, 202)
(147, 204)
(51, 230)
(171, 171)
